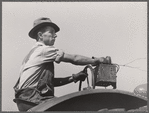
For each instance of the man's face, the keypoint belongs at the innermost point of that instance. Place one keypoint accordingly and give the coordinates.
(48, 37)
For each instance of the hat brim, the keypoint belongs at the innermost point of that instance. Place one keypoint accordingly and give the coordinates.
(33, 31)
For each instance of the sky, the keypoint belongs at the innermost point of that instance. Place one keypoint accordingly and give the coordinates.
(100, 29)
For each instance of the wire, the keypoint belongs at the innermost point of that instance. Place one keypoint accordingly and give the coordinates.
(133, 67)
(134, 60)
(126, 65)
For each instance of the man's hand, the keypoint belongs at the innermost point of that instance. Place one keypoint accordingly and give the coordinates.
(103, 60)
(79, 76)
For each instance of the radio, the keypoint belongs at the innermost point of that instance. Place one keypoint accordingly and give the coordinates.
(105, 75)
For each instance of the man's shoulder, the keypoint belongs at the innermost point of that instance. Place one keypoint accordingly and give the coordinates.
(50, 49)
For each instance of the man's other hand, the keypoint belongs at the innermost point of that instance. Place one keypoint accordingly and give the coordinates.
(79, 76)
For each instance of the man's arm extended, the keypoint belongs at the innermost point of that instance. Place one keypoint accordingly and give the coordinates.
(76, 60)
(74, 78)
(79, 59)
(62, 81)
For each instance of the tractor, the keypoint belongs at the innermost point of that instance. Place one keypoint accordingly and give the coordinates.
(92, 99)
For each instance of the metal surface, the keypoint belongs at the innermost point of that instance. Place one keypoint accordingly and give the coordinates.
(93, 100)
(141, 90)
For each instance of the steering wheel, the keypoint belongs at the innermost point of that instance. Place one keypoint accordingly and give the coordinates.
(93, 78)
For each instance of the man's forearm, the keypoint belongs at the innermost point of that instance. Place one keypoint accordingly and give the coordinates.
(62, 81)
(83, 60)
(78, 59)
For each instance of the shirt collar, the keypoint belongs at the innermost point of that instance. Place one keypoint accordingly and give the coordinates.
(39, 44)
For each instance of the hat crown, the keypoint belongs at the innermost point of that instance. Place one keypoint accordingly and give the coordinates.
(41, 20)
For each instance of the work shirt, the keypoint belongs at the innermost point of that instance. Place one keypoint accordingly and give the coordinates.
(32, 68)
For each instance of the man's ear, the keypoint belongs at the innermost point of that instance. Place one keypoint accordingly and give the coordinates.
(39, 35)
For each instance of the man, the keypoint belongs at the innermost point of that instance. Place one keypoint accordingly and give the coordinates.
(36, 82)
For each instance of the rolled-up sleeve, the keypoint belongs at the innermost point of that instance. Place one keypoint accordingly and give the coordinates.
(51, 54)
(59, 56)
